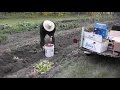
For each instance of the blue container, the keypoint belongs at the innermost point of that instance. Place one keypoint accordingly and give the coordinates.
(100, 29)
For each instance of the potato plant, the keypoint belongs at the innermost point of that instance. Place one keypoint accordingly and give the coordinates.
(43, 66)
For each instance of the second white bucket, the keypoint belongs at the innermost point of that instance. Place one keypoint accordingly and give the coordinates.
(49, 50)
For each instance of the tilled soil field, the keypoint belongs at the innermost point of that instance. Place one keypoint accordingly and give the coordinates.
(21, 52)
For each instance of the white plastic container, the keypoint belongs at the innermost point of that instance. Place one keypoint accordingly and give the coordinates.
(93, 36)
(95, 46)
(49, 50)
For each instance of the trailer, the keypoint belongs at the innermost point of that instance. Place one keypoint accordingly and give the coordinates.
(88, 52)
(106, 53)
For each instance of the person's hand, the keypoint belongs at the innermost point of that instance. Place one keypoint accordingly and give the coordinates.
(43, 47)
(51, 39)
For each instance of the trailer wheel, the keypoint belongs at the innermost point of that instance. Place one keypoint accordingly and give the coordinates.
(87, 53)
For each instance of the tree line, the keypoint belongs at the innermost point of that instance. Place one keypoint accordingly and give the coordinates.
(56, 13)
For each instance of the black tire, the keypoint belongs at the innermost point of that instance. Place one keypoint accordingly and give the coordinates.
(88, 54)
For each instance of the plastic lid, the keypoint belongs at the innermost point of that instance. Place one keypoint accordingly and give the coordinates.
(49, 45)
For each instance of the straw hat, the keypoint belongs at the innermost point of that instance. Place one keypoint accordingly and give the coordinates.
(48, 25)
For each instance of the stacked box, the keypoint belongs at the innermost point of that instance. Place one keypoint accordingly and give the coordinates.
(100, 29)
(115, 36)
(95, 46)
(94, 42)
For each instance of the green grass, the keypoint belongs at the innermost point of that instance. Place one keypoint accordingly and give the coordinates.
(14, 21)
(3, 37)
(86, 67)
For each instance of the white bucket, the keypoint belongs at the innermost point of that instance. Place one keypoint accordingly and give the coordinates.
(49, 50)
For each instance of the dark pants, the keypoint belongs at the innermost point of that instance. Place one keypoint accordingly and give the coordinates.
(42, 42)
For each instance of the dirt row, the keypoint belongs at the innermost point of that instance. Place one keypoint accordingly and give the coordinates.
(30, 54)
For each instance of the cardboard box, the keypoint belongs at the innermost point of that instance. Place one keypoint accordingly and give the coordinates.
(100, 29)
(101, 32)
(93, 36)
(116, 43)
(94, 45)
(116, 46)
(116, 39)
(100, 25)
(114, 35)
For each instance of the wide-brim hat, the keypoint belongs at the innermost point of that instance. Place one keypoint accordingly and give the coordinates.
(48, 25)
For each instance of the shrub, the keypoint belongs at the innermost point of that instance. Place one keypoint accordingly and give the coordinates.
(25, 26)
(5, 26)
(2, 37)
(66, 24)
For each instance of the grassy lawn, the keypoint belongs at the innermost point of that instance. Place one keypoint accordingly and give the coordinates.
(88, 67)
(14, 21)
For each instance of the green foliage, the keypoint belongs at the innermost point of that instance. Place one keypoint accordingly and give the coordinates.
(60, 13)
(47, 13)
(53, 13)
(44, 66)
(4, 26)
(39, 14)
(65, 25)
(25, 26)
(104, 17)
(3, 37)
(30, 14)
